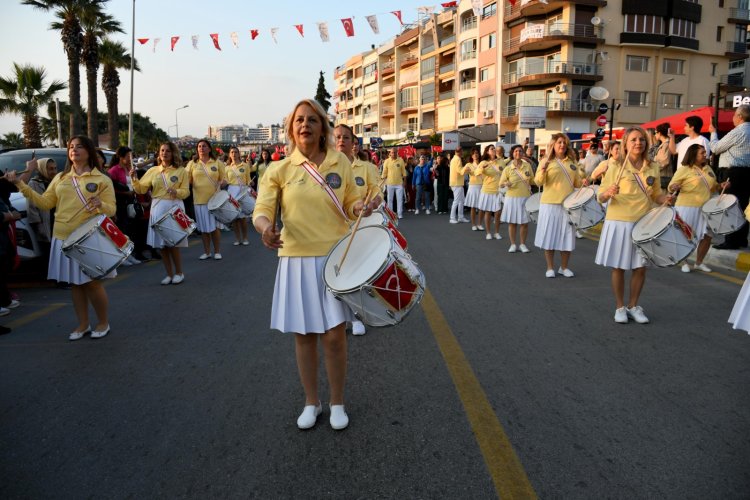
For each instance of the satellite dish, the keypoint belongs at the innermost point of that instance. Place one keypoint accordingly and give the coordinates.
(598, 93)
(596, 21)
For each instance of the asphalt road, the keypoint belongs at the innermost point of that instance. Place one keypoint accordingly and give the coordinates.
(192, 395)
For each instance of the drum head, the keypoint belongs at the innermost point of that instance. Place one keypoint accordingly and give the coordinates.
(375, 219)
(653, 223)
(578, 197)
(217, 200)
(82, 231)
(719, 203)
(368, 253)
(533, 203)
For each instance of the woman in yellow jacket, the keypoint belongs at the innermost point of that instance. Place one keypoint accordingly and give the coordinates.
(262, 165)
(489, 197)
(169, 185)
(518, 177)
(313, 224)
(558, 177)
(77, 193)
(238, 178)
(207, 176)
(631, 190)
(694, 181)
(475, 189)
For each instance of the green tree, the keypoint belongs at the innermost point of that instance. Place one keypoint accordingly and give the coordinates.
(321, 94)
(23, 94)
(48, 126)
(113, 57)
(12, 140)
(146, 135)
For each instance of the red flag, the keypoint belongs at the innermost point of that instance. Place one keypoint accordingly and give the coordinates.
(300, 29)
(348, 26)
(254, 34)
(512, 2)
(215, 38)
(437, 149)
(448, 5)
(174, 42)
(397, 13)
(143, 41)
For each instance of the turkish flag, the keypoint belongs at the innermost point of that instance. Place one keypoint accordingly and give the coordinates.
(437, 149)
(448, 5)
(253, 34)
(143, 41)
(174, 42)
(512, 2)
(397, 13)
(348, 26)
(300, 29)
(215, 39)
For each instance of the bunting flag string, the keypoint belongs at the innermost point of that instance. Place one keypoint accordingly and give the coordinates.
(235, 39)
(254, 34)
(273, 34)
(173, 42)
(156, 42)
(300, 28)
(195, 41)
(373, 22)
(323, 29)
(348, 26)
(451, 5)
(215, 39)
(397, 13)
(143, 41)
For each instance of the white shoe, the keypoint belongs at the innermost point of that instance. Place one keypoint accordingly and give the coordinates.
(205, 256)
(400, 216)
(565, 272)
(524, 248)
(133, 260)
(309, 416)
(579, 235)
(480, 228)
(14, 303)
(178, 278)
(621, 315)
(488, 237)
(217, 256)
(126, 263)
(416, 212)
(236, 243)
(637, 314)
(550, 273)
(512, 249)
(245, 243)
(427, 212)
(339, 419)
(358, 328)
(685, 268)
(498, 237)
(79, 335)
(463, 219)
(4, 311)
(474, 228)
(700, 267)
(167, 280)
(99, 334)
(453, 221)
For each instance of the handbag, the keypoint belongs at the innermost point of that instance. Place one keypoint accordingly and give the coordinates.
(135, 210)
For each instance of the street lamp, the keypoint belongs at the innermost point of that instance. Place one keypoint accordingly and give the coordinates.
(654, 104)
(176, 124)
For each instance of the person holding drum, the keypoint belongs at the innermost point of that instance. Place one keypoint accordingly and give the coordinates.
(77, 193)
(489, 198)
(475, 189)
(238, 178)
(169, 185)
(312, 186)
(558, 176)
(694, 181)
(518, 177)
(631, 189)
(457, 172)
(601, 169)
(207, 176)
(394, 172)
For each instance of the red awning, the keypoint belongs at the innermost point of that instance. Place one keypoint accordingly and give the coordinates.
(677, 122)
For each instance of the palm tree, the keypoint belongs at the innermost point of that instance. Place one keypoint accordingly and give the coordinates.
(71, 34)
(23, 94)
(12, 140)
(113, 56)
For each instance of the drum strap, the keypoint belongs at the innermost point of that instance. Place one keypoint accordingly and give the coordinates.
(77, 187)
(203, 167)
(565, 171)
(322, 183)
(520, 175)
(703, 178)
(237, 172)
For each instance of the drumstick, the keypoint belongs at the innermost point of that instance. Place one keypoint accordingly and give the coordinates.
(723, 189)
(88, 202)
(26, 172)
(337, 268)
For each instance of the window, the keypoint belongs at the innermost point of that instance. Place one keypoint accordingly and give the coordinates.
(644, 24)
(719, 33)
(428, 93)
(671, 101)
(428, 68)
(408, 97)
(713, 69)
(489, 10)
(468, 49)
(636, 63)
(413, 123)
(487, 103)
(487, 73)
(721, 4)
(682, 28)
(371, 69)
(673, 67)
(635, 98)
(488, 41)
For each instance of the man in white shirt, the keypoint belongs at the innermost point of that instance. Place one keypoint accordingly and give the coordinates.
(693, 126)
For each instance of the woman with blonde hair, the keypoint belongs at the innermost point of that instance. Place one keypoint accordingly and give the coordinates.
(518, 177)
(238, 177)
(489, 198)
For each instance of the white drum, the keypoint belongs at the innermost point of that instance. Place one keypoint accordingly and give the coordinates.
(532, 206)
(98, 246)
(247, 203)
(174, 226)
(378, 280)
(663, 238)
(723, 214)
(583, 209)
(380, 218)
(223, 207)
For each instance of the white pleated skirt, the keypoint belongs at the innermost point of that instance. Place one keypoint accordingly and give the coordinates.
(740, 315)
(234, 192)
(158, 208)
(66, 270)
(472, 195)
(301, 302)
(204, 219)
(553, 231)
(616, 248)
(514, 210)
(489, 202)
(693, 217)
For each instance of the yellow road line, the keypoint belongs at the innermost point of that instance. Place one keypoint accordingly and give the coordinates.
(725, 277)
(502, 462)
(16, 323)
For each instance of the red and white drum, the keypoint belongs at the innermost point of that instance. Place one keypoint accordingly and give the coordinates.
(223, 207)
(174, 226)
(380, 218)
(723, 214)
(378, 280)
(246, 201)
(663, 238)
(98, 246)
(388, 213)
(532, 206)
(583, 209)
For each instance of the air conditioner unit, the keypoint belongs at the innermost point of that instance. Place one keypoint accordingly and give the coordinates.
(559, 68)
(588, 69)
(488, 113)
(556, 105)
(561, 89)
(587, 106)
(577, 70)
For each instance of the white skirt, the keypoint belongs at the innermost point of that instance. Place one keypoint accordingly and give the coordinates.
(616, 248)
(158, 208)
(472, 195)
(489, 202)
(204, 219)
(553, 230)
(66, 270)
(514, 210)
(234, 192)
(693, 217)
(301, 302)
(740, 315)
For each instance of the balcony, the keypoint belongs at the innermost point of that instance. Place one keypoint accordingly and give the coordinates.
(539, 8)
(387, 68)
(739, 16)
(447, 40)
(539, 72)
(443, 96)
(387, 90)
(467, 85)
(466, 56)
(736, 50)
(468, 24)
(409, 60)
(555, 107)
(466, 114)
(733, 79)
(447, 68)
(427, 49)
(386, 112)
(543, 36)
(409, 106)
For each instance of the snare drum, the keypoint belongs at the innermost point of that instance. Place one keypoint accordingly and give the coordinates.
(98, 246)
(380, 218)
(378, 280)
(723, 214)
(663, 238)
(247, 203)
(389, 213)
(583, 209)
(223, 207)
(532, 206)
(174, 226)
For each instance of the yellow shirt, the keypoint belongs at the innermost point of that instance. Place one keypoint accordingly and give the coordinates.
(366, 178)
(556, 182)
(694, 192)
(521, 178)
(474, 180)
(177, 178)
(63, 197)
(205, 186)
(312, 223)
(238, 175)
(457, 171)
(602, 168)
(394, 172)
(631, 203)
(261, 168)
(491, 172)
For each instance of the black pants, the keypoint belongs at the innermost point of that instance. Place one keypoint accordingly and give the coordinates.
(739, 177)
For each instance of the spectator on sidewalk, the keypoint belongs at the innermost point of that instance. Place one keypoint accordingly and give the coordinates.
(693, 126)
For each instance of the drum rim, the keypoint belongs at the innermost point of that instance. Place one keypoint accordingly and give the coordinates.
(223, 194)
(99, 218)
(671, 223)
(380, 269)
(576, 191)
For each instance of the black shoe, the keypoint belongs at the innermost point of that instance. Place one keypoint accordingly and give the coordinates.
(726, 246)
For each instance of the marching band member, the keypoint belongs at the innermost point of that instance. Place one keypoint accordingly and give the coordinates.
(558, 176)
(457, 172)
(630, 189)
(207, 175)
(77, 193)
(312, 226)
(238, 178)
(694, 181)
(489, 198)
(475, 189)
(169, 185)
(517, 176)
(394, 171)
(261, 166)
(601, 169)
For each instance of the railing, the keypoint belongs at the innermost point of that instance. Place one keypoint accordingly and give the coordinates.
(469, 24)
(371, 93)
(428, 49)
(409, 127)
(578, 105)
(743, 14)
(409, 59)
(447, 40)
(371, 133)
(388, 89)
(428, 98)
(510, 110)
(531, 67)
(468, 113)
(541, 31)
(386, 111)
(411, 103)
(428, 75)
(448, 94)
(735, 79)
(445, 68)
(387, 66)
(737, 47)
(468, 85)
(465, 56)
(511, 10)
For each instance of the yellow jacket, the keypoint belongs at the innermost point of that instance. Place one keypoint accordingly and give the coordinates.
(631, 203)
(177, 178)
(491, 172)
(457, 171)
(474, 179)
(556, 182)
(516, 176)
(696, 185)
(394, 172)
(239, 174)
(205, 186)
(366, 178)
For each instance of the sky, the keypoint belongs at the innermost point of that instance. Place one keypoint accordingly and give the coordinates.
(259, 82)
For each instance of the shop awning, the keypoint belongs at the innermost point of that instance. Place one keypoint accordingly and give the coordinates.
(677, 121)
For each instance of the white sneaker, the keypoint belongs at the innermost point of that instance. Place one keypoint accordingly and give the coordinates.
(126, 263)
(416, 212)
(204, 256)
(217, 256)
(236, 243)
(700, 267)
(524, 248)
(463, 219)
(358, 328)
(488, 237)
(167, 280)
(579, 235)
(498, 237)
(685, 268)
(14, 303)
(550, 273)
(565, 272)
(427, 212)
(339, 419)
(480, 228)
(621, 315)
(178, 278)
(133, 260)
(400, 216)
(453, 221)
(512, 249)
(637, 314)
(474, 228)
(245, 243)
(309, 416)
(4, 311)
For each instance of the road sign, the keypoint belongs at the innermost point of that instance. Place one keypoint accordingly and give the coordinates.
(601, 121)
(603, 108)
(599, 133)
(532, 116)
